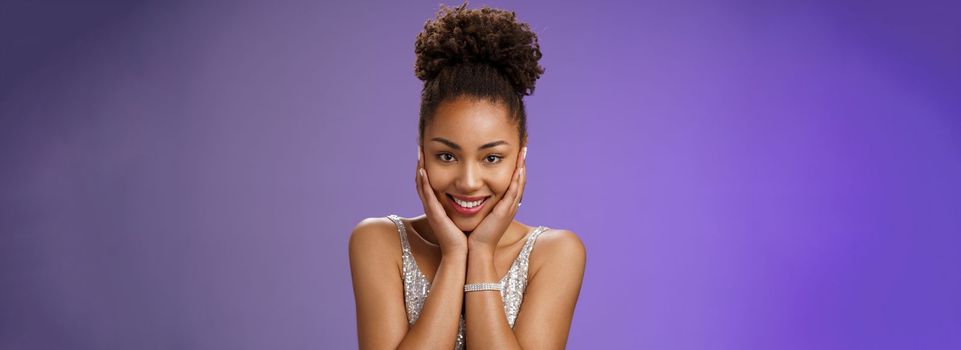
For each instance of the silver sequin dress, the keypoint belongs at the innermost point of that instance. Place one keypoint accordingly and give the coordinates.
(417, 288)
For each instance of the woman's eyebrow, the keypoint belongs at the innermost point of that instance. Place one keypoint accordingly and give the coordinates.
(453, 145)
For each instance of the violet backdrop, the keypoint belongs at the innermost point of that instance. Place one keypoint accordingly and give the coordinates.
(744, 174)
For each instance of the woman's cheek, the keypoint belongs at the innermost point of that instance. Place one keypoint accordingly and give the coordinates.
(437, 178)
(504, 182)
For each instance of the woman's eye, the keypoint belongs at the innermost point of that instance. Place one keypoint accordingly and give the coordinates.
(446, 157)
(493, 158)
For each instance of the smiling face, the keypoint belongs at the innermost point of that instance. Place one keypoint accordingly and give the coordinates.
(470, 151)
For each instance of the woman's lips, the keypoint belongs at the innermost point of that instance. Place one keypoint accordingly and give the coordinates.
(464, 210)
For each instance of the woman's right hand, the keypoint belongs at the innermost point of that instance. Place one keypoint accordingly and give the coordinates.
(450, 238)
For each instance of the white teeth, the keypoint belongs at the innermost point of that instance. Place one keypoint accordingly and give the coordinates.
(467, 204)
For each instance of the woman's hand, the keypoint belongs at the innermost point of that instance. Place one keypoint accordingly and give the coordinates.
(485, 237)
(450, 238)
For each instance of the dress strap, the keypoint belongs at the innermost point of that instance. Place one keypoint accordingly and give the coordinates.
(529, 245)
(402, 231)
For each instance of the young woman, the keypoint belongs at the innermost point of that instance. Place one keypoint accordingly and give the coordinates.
(466, 273)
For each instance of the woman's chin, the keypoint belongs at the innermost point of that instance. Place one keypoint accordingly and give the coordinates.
(466, 225)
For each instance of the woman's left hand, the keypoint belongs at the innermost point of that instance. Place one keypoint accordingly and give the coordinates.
(492, 228)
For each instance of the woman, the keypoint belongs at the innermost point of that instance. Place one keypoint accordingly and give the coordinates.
(489, 285)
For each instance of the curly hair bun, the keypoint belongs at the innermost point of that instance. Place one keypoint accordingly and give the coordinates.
(480, 36)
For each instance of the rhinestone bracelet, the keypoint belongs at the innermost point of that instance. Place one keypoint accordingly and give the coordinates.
(474, 287)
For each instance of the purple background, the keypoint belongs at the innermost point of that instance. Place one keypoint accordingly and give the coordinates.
(744, 174)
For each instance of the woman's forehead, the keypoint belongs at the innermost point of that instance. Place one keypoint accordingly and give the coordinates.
(470, 121)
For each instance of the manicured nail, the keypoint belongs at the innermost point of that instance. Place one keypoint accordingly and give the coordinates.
(525, 153)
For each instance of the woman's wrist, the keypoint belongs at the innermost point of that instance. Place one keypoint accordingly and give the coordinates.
(454, 253)
(480, 268)
(480, 248)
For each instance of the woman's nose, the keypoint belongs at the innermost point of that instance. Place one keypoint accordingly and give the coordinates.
(469, 180)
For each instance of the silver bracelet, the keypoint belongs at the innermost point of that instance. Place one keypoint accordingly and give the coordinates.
(474, 287)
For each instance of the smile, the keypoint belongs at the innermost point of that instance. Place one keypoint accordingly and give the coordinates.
(467, 205)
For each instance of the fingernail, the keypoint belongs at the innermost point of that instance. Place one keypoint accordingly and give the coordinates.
(525, 153)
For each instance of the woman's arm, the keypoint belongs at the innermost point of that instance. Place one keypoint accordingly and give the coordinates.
(436, 328)
(548, 307)
(379, 294)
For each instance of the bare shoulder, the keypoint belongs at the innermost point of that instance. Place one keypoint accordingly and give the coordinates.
(558, 247)
(377, 235)
(564, 242)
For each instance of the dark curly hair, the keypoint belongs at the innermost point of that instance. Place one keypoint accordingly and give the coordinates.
(481, 53)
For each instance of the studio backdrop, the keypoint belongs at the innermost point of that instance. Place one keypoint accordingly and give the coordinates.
(744, 174)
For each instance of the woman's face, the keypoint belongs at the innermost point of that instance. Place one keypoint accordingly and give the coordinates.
(470, 152)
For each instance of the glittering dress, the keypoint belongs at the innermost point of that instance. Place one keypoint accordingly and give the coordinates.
(417, 288)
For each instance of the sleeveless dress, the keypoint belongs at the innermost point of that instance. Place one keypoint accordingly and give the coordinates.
(417, 288)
